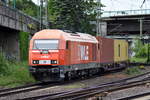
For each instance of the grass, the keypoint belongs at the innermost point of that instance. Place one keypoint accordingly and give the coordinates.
(14, 74)
(133, 70)
(141, 60)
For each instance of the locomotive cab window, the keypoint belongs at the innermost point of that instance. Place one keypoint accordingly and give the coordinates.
(46, 44)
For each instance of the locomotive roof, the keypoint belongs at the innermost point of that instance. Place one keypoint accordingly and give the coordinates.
(60, 34)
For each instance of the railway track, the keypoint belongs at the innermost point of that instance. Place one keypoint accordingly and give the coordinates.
(86, 93)
(135, 96)
(26, 88)
(94, 90)
(36, 86)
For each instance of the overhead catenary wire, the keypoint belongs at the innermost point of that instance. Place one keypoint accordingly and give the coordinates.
(143, 3)
(117, 5)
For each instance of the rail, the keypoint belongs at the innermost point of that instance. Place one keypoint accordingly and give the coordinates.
(78, 94)
(27, 88)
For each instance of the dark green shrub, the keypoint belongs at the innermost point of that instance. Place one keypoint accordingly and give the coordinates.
(14, 73)
(24, 44)
(140, 49)
(3, 65)
(132, 71)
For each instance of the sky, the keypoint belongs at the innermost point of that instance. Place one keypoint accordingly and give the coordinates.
(36, 1)
(114, 5)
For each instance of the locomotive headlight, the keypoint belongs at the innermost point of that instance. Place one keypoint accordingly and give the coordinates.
(53, 61)
(35, 62)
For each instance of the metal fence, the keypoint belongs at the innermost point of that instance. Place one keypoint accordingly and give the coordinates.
(126, 12)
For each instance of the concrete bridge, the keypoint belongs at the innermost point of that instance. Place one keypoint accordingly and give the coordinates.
(12, 22)
(127, 23)
(17, 20)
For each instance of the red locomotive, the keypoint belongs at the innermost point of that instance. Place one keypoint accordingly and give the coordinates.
(57, 54)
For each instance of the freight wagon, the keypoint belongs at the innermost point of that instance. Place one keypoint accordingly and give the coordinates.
(58, 54)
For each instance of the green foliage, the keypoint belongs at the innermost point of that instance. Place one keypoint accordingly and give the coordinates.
(142, 52)
(133, 71)
(138, 59)
(3, 65)
(142, 67)
(72, 15)
(27, 6)
(24, 43)
(32, 26)
(13, 74)
(140, 49)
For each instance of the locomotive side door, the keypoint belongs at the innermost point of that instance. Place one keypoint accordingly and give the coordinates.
(68, 51)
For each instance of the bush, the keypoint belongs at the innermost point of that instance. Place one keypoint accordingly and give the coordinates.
(24, 44)
(20, 74)
(13, 74)
(140, 49)
(142, 52)
(142, 67)
(132, 70)
(3, 65)
(138, 59)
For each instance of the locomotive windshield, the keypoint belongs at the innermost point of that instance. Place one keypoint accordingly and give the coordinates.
(46, 44)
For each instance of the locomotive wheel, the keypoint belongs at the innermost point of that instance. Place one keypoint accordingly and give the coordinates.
(68, 76)
(101, 71)
(89, 73)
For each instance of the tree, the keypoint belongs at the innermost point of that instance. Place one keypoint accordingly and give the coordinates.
(72, 15)
(26, 6)
(140, 49)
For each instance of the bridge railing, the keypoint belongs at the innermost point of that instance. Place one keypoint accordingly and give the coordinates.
(15, 19)
(125, 12)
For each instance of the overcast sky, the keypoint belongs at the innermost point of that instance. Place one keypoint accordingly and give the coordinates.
(121, 4)
(125, 4)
